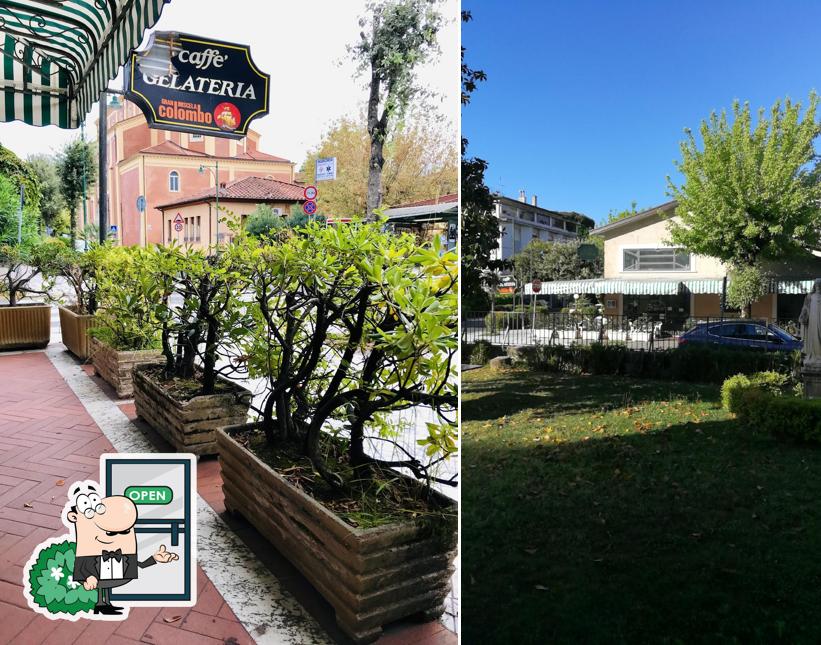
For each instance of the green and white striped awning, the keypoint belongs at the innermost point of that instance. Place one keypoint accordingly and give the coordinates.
(658, 287)
(58, 55)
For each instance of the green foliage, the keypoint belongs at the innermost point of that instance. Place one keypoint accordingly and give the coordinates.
(746, 284)
(481, 352)
(19, 266)
(79, 269)
(128, 297)
(748, 191)
(298, 218)
(351, 323)
(263, 221)
(733, 389)
(76, 162)
(9, 207)
(782, 416)
(20, 174)
(397, 36)
(52, 204)
(549, 261)
(51, 584)
(693, 363)
(478, 226)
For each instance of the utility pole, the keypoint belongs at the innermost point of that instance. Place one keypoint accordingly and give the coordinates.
(103, 174)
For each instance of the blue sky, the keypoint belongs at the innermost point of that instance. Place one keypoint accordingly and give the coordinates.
(586, 101)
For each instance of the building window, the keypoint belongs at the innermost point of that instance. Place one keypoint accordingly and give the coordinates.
(174, 181)
(667, 259)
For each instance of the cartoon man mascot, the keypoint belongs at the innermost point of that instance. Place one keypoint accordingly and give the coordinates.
(71, 580)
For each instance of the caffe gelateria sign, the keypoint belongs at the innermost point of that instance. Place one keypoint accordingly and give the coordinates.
(197, 85)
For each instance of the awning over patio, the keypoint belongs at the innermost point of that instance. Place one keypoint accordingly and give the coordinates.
(58, 55)
(657, 287)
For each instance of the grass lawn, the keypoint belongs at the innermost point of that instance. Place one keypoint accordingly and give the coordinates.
(616, 510)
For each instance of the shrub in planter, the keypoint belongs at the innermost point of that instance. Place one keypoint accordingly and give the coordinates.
(22, 325)
(351, 325)
(78, 269)
(129, 301)
(188, 397)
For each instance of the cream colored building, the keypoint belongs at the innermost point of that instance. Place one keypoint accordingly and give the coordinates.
(644, 274)
(192, 220)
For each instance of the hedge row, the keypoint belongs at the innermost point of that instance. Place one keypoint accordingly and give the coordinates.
(694, 363)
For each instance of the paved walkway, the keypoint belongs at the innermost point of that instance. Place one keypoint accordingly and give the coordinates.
(50, 438)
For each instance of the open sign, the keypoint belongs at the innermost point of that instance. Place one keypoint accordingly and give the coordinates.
(149, 494)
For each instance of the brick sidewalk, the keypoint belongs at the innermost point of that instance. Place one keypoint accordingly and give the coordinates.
(48, 440)
(47, 437)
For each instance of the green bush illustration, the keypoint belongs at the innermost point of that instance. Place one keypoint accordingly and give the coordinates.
(51, 582)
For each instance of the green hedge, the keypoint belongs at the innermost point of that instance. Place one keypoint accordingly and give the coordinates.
(693, 363)
(481, 352)
(790, 416)
(734, 388)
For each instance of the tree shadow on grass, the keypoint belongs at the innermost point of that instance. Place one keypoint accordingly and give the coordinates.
(485, 398)
(699, 533)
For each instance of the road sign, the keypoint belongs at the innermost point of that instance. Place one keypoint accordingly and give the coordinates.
(178, 227)
(310, 192)
(326, 168)
(537, 286)
(309, 207)
(588, 252)
(141, 203)
(113, 229)
(178, 219)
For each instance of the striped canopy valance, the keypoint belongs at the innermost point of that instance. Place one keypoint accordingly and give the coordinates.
(657, 287)
(58, 55)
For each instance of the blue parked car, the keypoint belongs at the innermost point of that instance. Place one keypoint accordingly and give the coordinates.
(742, 333)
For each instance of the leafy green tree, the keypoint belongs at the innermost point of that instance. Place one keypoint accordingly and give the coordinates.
(20, 174)
(75, 160)
(396, 37)
(746, 284)
(52, 203)
(263, 221)
(751, 191)
(420, 163)
(298, 218)
(9, 207)
(479, 228)
(549, 261)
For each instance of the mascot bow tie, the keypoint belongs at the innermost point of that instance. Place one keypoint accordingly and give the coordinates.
(117, 555)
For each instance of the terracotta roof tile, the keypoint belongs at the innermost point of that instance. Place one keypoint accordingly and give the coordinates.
(250, 188)
(256, 155)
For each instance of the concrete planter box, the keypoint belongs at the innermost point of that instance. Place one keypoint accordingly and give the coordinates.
(25, 326)
(372, 576)
(189, 425)
(74, 329)
(115, 367)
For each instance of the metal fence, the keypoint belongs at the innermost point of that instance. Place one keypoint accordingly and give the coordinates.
(507, 328)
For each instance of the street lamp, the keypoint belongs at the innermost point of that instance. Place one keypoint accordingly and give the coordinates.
(216, 170)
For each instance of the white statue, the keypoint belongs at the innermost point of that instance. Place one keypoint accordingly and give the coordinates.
(810, 320)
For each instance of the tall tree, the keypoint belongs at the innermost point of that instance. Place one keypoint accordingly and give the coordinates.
(52, 204)
(396, 37)
(20, 174)
(548, 261)
(76, 161)
(751, 192)
(420, 163)
(479, 228)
